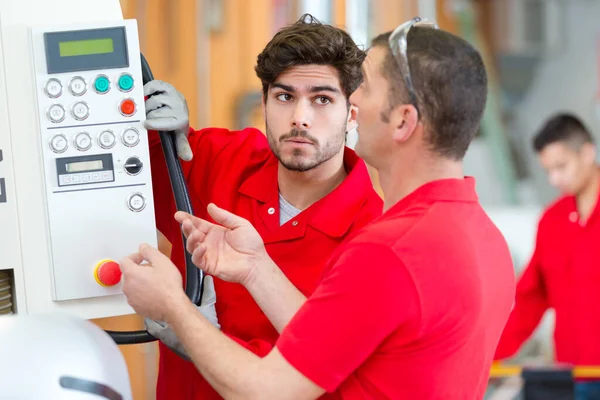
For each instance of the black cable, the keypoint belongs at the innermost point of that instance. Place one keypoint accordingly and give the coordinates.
(194, 276)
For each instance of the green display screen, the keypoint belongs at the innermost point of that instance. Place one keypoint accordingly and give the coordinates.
(86, 47)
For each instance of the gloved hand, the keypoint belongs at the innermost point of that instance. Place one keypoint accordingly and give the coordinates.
(167, 110)
(163, 332)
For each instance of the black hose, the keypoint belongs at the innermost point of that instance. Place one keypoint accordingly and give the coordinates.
(194, 276)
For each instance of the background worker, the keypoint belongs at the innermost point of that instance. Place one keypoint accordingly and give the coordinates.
(564, 272)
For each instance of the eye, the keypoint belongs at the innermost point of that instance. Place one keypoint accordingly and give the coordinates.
(284, 97)
(322, 100)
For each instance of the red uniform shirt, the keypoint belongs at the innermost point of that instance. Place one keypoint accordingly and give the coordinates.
(412, 306)
(563, 274)
(238, 172)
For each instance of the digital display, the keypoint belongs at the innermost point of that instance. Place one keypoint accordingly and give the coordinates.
(82, 166)
(86, 50)
(86, 47)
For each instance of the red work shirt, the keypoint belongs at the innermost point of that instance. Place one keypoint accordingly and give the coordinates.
(563, 274)
(412, 306)
(238, 172)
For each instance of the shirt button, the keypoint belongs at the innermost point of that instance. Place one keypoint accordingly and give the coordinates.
(271, 211)
(294, 223)
(573, 216)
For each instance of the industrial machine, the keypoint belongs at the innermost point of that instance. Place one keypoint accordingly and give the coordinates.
(75, 178)
(58, 356)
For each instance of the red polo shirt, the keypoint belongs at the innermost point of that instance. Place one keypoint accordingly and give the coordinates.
(238, 172)
(563, 274)
(412, 306)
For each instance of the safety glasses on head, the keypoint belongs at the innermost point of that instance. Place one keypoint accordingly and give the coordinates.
(399, 46)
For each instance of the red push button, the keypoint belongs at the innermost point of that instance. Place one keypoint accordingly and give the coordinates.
(107, 273)
(127, 107)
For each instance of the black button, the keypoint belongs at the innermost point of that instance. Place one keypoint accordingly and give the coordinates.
(133, 165)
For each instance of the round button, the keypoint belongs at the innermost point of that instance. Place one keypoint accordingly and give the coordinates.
(295, 223)
(573, 217)
(80, 111)
(125, 83)
(53, 88)
(133, 166)
(77, 86)
(106, 139)
(127, 107)
(131, 137)
(107, 273)
(271, 211)
(102, 84)
(83, 141)
(59, 143)
(136, 202)
(56, 113)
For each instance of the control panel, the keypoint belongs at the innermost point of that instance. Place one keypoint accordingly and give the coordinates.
(95, 153)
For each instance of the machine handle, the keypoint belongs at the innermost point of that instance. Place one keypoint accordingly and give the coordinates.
(194, 276)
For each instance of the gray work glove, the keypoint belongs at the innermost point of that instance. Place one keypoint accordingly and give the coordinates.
(163, 332)
(167, 111)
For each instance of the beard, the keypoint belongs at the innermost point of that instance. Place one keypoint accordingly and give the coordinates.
(299, 160)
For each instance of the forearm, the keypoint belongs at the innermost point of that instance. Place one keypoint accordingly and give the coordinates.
(228, 367)
(277, 297)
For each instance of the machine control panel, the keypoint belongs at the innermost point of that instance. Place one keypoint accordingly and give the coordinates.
(95, 150)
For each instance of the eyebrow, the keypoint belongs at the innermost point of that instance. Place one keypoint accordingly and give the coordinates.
(313, 89)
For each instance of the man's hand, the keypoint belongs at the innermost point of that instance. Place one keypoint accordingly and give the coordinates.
(167, 110)
(154, 288)
(229, 251)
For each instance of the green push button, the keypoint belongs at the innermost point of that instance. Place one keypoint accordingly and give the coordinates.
(101, 84)
(125, 82)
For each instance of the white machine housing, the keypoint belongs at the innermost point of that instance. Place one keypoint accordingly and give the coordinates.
(59, 356)
(75, 179)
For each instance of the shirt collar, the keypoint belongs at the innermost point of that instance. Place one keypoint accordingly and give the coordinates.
(333, 214)
(450, 190)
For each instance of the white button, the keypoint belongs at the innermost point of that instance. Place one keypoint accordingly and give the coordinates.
(53, 88)
(136, 202)
(106, 176)
(80, 111)
(131, 137)
(294, 223)
(106, 139)
(76, 178)
(271, 211)
(86, 177)
(59, 144)
(77, 86)
(96, 176)
(83, 141)
(56, 113)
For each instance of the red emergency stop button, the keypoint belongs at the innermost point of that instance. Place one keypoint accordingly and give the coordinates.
(127, 107)
(107, 273)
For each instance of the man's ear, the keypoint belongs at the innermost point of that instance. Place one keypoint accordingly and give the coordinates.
(351, 122)
(404, 119)
(588, 152)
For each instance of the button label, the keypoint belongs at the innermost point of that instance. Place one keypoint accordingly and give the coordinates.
(81, 111)
(56, 113)
(58, 144)
(53, 88)
(77, 86)
(131, 137)
(83, 141)
(107, 139)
